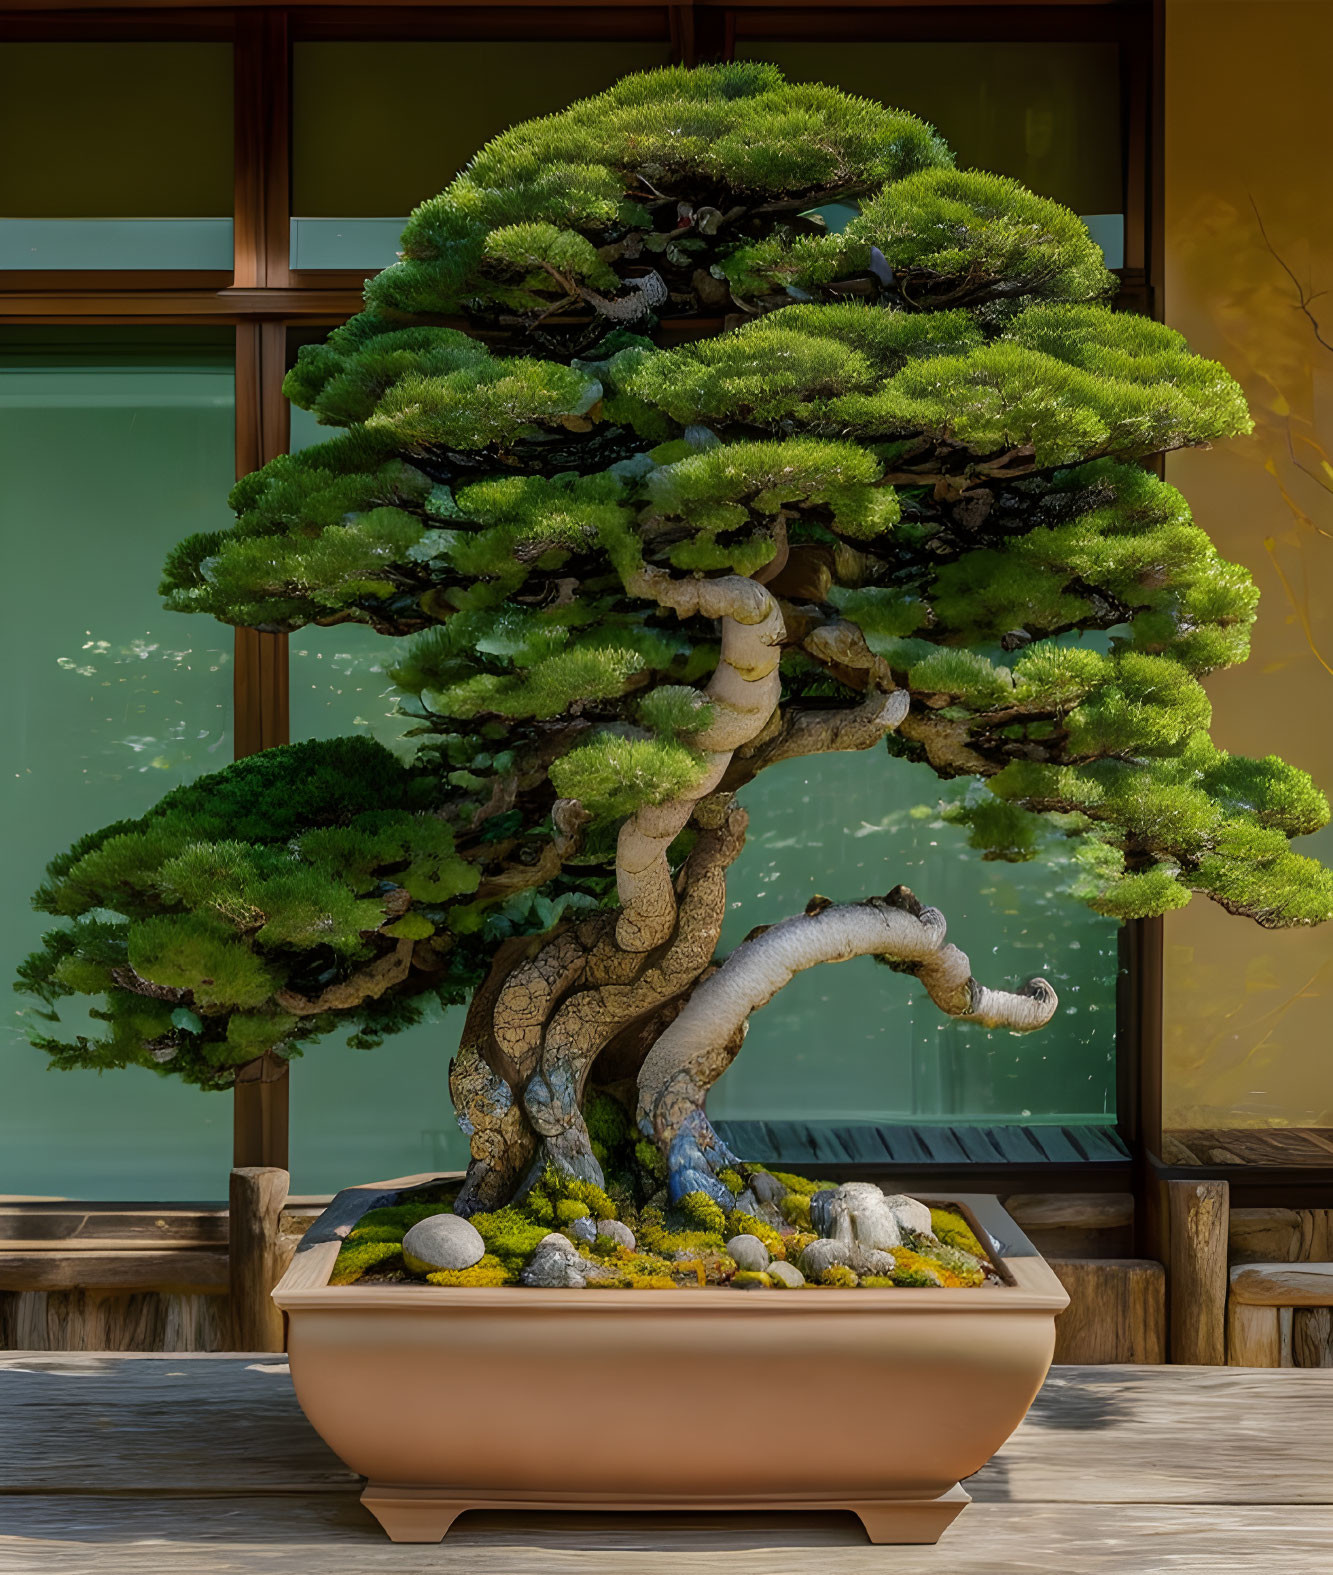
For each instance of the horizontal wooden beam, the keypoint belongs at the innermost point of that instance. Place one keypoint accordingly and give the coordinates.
(1071, 1210)
(1282, 1284)
(187, 1270)
(116, 1227)
(184, 305)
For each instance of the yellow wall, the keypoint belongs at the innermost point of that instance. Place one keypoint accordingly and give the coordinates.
(1249, 89)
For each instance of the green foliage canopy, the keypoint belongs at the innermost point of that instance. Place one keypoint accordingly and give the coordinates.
(927, 435)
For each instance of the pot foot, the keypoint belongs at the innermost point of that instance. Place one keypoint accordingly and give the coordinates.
(912, 1519)
(413, 1514)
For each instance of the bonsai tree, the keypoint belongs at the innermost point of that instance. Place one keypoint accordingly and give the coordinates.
(670, 484)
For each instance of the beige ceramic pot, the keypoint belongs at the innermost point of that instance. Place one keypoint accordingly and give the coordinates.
(455, 1399)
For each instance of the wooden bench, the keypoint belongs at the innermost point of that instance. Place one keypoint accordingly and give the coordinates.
(1280, 1315)
(204, 1465)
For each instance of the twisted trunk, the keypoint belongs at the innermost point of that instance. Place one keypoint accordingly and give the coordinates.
(553, 1004)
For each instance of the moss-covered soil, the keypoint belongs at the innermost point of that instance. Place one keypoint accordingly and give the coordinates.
(676, 1246)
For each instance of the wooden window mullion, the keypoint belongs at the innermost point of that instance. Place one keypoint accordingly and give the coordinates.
(260, 678)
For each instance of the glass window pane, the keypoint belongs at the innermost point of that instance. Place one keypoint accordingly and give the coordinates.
(116, 138)
(114, 443)
(358, 1114)
(1047, 114)
(379, 127)
(857, 1042)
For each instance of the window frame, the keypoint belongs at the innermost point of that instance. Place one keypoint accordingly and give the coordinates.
(263, 297)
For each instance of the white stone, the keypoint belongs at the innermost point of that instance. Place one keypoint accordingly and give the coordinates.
(821, 1255)
(859, 1212)
(748, 1252)
(443, 1241)
(618, 1232)
(911, 1215)
(555, 1265)
(787, 1273)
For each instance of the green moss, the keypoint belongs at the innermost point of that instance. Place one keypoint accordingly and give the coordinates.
(570, 1209)
(355, 1258)
(954, 1231)
(560, 1187)
(750, 1280)
(510, 1235)
(488, 1270)
(702, 1214)
(795, 1209)
(837, 1276)
(732, 1181)
(653, 1233)
(800, 1184)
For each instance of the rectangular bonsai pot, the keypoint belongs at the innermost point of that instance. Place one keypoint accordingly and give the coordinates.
(456, 1399)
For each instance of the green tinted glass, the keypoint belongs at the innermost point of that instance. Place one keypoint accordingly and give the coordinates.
(113, 444)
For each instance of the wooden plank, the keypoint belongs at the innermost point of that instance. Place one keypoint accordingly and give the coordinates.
(1303, 1146)
(333, 1535)
(1073, 1210)
(135, 1424)
(1169, 1435)
(1283, 1284)
(1116, 1312)
(1263, 1235)
(181, 1269)
(1197, 1286)
(111, 1227)
(113, 1321)
(1312, 1337)
(256, 1257)
(1253, 1336)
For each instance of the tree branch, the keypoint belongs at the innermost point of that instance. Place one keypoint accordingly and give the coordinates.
(681, 1067)
(365, 984)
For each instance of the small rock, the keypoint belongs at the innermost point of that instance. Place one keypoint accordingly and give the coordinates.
(752, 1280)
(786, 1274)
(858, 1212)
(555, 1265)
(748, 1252)
(583, 1230)
(821, 1255)
(911, 1215)
(618, 1232)
(870, 1260)
(444, 1241)
(765, 1187)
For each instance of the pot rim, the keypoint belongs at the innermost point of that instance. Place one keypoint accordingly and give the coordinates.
(1031, 1285)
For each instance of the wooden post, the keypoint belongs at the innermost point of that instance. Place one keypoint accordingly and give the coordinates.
(1253, 1336)
(1312, 1337)
(255, 1257)
(259, 1114)
(1197, 1281)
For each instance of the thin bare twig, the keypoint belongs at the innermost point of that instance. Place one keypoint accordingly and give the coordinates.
(1303, 296)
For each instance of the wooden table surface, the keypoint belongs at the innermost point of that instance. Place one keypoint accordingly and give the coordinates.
(204, 1465)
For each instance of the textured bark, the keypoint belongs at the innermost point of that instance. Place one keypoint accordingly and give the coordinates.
(551, 1006)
